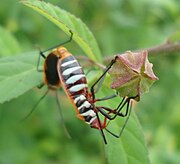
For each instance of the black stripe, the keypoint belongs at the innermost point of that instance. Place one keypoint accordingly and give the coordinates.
(75, 64)
(87, 118)
(75, 96)
(69, 58)
(77, 72)
(83, 110)
(80, 81)
(80, 102)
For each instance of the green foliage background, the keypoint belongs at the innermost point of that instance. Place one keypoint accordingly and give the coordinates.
(118, 25)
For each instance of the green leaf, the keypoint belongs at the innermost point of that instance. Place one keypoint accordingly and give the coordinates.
(130, 148)
(8, 44)
(66, 21)
(18, 75)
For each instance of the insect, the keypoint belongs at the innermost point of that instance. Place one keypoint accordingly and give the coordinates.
(74, 83)
(61, 69)
(51, 78)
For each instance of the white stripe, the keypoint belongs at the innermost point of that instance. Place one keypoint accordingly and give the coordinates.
(70, 70)
(82, 97)
(74, 78)
(92, 119)
(89, 113)
(68, 62)
(86, 104)
(77, 87)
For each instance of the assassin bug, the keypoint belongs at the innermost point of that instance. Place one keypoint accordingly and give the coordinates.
(62, 69)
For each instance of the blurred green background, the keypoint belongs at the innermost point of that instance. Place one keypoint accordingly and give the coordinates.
(118, 25)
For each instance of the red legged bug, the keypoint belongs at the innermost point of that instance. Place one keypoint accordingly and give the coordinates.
(74, 83)
(62, 69)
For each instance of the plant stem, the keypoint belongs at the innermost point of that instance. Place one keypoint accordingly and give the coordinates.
(164, 48)
(156, 50)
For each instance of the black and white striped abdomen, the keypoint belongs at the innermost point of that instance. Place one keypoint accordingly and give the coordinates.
(85, 109)
(75, 83)
(73, 76)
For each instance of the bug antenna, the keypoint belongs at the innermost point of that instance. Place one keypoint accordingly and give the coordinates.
(35, 106)
(62, 118)
(130, 102)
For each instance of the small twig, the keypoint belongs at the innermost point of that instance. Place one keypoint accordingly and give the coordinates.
(156, 50)
(164, 48)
